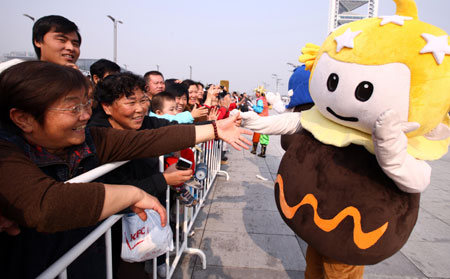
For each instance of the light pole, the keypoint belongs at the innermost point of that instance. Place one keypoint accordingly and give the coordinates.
(190, 72)
(157, 68)
(30, 17)
(115, 35)
(277, 80)
(293, 65)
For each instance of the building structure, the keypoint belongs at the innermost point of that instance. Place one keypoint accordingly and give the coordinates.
(83, 63)
(344, 11)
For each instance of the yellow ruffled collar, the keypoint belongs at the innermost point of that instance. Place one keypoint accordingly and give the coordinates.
(329, 132)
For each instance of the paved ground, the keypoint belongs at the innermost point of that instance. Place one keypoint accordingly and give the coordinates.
(243, 235)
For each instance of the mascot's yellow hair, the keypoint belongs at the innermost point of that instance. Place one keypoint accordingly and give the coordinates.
(260, 89)
(393, 43)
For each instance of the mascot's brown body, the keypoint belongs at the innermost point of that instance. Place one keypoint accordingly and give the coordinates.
(339, 178)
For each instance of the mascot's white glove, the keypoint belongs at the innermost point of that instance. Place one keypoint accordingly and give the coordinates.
(280, 124)
(275, 101)
(390, 143)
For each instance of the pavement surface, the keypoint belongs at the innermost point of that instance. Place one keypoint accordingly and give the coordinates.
(243, 235)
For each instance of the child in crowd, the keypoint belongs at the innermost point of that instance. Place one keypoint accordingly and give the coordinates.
(164, 106)
(180, 114)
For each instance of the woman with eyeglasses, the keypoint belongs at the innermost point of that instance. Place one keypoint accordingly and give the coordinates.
(44, 142)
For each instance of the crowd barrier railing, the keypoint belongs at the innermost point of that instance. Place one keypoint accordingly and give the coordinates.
(209, 153)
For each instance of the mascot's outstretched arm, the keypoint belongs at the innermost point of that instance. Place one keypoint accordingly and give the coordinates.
(286, 122)
(390, 143)
(280, 124)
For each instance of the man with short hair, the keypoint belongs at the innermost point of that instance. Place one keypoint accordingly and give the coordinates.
(103, 68)
(154, 82)
(56, 39)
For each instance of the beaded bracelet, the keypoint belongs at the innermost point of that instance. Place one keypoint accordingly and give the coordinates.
(216, 134)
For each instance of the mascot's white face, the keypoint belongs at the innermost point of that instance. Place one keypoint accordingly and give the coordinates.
(354, 95)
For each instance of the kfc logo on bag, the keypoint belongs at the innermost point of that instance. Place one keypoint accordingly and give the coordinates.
(134, 236)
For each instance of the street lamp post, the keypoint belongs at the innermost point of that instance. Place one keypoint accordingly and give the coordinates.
(293, 66)
(30, 17)
(277, 80)
(190, 72)
(157, 68)
(115, 35)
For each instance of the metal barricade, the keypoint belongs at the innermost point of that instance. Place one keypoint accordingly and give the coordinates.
(209, 153)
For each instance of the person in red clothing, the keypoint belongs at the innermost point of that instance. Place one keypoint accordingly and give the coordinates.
(262, 108)
(225, 105)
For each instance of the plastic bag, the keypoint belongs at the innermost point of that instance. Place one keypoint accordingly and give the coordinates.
(144, 240)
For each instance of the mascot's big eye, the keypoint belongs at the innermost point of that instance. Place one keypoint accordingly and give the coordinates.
(364, 91)
(332, 82)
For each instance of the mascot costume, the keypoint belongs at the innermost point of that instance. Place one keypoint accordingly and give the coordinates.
(262, 109)
(349, 183)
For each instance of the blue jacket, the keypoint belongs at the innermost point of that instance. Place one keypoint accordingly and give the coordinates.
(184, 117)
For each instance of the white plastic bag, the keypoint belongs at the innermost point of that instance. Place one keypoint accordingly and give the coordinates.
(144, 240)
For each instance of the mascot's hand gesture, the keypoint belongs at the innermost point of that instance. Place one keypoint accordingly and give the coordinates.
(390, 144)
(275, 101)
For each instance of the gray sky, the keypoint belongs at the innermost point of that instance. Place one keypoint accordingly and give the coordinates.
(242, 41)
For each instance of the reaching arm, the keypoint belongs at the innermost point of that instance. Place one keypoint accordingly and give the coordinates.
(118, 197)
(227, 131)
(280, 124)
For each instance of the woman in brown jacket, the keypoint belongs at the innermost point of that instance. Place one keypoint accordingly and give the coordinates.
(44, 141)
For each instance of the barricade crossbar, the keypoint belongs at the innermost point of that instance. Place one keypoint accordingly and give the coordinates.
(209, 153)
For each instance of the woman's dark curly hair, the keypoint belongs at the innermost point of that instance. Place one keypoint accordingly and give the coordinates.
(116, 86)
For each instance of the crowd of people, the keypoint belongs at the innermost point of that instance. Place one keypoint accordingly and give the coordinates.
(56, 124)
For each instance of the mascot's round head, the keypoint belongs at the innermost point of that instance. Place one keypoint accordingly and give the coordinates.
(393, 62)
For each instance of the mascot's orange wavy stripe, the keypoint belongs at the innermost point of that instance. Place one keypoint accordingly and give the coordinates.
(362, 240)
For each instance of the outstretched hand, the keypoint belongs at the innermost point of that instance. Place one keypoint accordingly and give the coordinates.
(149, 202)
(230, 133)
(198, 112)
(213, 114)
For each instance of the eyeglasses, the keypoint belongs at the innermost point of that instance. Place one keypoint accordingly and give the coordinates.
(77, 108)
